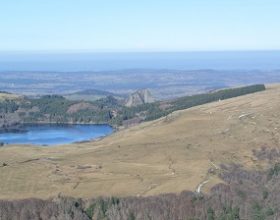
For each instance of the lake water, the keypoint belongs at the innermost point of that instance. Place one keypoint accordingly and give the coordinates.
(55, 134)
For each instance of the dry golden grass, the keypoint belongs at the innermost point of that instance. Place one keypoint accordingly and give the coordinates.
(171, 154)
(8, 96)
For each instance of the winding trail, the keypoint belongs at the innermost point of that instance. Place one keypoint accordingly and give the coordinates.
(198, 189)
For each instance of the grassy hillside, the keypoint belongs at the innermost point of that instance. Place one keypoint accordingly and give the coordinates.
(243, 195)
(171, 154)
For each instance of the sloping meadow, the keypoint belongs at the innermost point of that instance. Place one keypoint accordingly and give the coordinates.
(243, 195)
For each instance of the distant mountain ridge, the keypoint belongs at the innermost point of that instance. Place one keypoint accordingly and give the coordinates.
(91, 95)
(94, 91)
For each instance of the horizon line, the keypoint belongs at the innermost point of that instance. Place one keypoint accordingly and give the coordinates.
(131, 51)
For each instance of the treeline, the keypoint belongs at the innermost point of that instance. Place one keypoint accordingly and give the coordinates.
(8, 106)
(51, 104)
(251, 195)
(245, 194)
(187, 102)
(109, 110)
(55, 109)
(155, 110)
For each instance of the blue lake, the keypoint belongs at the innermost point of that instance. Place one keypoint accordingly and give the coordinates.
(55, 134)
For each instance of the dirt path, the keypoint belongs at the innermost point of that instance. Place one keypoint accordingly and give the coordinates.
(198, 189)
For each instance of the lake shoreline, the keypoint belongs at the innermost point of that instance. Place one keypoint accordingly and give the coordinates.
(51, 134)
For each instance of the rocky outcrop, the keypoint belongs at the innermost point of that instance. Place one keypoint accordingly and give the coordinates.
(139, 97)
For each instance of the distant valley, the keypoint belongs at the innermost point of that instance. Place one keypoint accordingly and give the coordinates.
(163, 84)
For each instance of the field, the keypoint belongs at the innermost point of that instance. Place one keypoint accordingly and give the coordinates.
(164, 84)
(171, 154)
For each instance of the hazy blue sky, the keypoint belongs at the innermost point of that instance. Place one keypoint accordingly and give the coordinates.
(139, 25)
